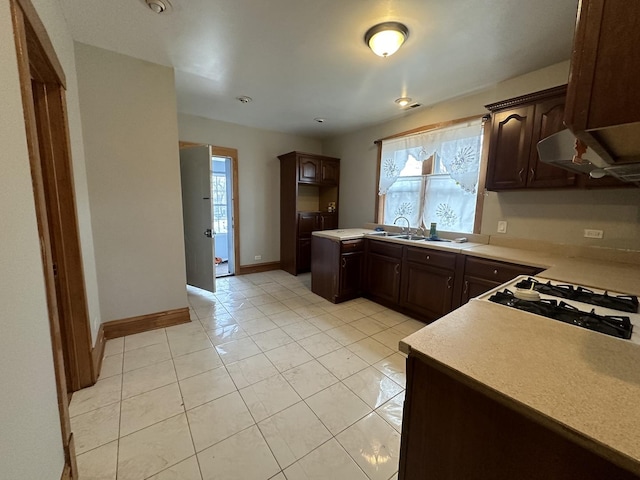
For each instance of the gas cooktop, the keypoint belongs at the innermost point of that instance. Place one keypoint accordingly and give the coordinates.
(605, 312)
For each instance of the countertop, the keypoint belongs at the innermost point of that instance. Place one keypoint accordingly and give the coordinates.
(577, 382)
(343, 233)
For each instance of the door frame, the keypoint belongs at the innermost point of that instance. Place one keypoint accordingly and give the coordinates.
(231, 153)
(43, 85)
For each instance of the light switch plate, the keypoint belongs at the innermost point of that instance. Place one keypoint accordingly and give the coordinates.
(502, 226)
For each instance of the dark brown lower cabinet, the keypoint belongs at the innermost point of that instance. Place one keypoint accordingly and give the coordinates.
(336, 268)
(382, 272)
(481, 275)
(304, 254)
(428, 282)
(452, 430)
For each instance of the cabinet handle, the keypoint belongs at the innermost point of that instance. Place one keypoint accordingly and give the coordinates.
(428, 257)
(533, 173)
(520, 174)
(344, 262)
(397, 269)
(449, 282)
(466, 287)
(495, 272)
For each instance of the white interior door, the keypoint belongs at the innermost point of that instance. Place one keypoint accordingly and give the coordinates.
(199, 244)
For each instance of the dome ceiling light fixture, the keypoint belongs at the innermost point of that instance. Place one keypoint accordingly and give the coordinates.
(384, 39)
(319, 119)
(158, 6)
(244, 99)
(403, 101)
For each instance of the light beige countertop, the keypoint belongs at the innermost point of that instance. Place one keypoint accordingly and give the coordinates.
(342, 233)
(577, 382)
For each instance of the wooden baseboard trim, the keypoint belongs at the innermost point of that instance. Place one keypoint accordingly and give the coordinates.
(98, 352)
(144, 323)
(258, 268)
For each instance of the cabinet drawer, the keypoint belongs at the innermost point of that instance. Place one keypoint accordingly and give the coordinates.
(348, 246)
(499, 271)
(386, 249)
(430, 257)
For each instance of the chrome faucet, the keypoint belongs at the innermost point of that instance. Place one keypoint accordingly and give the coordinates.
(406, 220)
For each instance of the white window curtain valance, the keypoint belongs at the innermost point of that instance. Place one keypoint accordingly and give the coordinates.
(459, 148)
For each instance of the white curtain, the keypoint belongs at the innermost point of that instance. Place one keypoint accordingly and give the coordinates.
(450, 208)
(448, 195)
(458, 147)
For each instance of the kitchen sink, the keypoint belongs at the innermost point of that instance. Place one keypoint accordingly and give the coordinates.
(388, 234)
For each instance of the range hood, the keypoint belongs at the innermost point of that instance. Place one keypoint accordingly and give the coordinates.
(564, 151)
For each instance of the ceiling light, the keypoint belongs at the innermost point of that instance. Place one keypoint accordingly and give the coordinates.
(158, 6)
(244, 99)
(386, 38)
(319, 120)
(403, 101)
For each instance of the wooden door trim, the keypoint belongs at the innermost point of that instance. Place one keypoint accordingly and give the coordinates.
(44, 62)
(59, 187)
(232, 153)
(37, 60)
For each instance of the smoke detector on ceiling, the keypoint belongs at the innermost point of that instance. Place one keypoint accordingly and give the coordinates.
(158, 6)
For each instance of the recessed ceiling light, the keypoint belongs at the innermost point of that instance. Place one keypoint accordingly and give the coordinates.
(158, 6)
(244, 99)
(403, 101)
(319, 120)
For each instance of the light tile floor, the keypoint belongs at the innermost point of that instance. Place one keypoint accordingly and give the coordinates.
(268, 381)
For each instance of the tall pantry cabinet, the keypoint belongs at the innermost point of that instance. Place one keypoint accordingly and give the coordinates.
(309, 184)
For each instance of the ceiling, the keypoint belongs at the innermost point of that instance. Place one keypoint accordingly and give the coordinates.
(302, 59)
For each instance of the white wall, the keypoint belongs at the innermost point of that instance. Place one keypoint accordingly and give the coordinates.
(258, 178)
(558, 216)
(30, 442)
(130, 132)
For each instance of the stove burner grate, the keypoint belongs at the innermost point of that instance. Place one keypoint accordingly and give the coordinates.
(623, 303)
(614, 325)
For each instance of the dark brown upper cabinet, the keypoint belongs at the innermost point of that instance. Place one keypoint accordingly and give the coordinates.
(517, 125)
(315, 169)
(603, 103)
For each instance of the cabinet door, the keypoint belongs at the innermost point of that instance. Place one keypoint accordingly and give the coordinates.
(328, 221)
(330, 172)
(350, 274)
(383, 277)
(308, 170)
(603, 80)
(307, 222)
(474, 286)
(427, 291)
(548, 119)
(509, 148)
(304, 255)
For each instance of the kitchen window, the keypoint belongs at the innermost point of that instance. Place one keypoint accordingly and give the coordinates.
(432, 176)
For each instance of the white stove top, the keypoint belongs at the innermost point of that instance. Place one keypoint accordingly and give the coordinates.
(633, 317)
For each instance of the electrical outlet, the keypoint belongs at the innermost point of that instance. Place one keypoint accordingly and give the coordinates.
(258, 257)
(502, 226)
(590, 233)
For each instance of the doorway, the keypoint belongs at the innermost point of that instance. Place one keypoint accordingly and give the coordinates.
(209, 178)
(222, 211)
